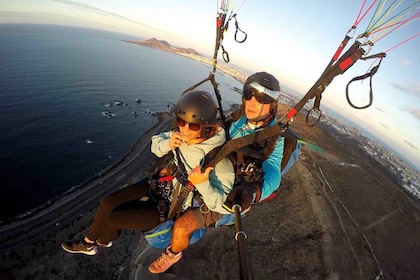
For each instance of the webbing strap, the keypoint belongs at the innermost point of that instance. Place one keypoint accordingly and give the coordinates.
(186, 187)
(174, 201)
(362, 77)
(250, 152)
(336, 67)
(236, 144)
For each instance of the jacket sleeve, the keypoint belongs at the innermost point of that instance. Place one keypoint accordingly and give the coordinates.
(272, 172)
(160, 144)
(215, 190)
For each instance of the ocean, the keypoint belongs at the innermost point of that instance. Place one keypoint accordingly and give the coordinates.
(68, 105)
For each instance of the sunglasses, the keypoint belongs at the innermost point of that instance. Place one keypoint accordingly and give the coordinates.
(262, 94)
(192, 126)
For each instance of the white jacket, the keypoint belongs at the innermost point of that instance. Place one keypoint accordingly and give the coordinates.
(213, 191)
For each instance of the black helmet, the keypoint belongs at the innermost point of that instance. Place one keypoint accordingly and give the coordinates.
(264, 83)
(197, 107)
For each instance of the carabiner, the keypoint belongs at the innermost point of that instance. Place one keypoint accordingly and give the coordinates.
(367, 43)
(313, 110)
(225, 55)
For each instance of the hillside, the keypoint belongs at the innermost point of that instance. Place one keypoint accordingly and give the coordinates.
(192, 54)
(337, 215)
(164, 45)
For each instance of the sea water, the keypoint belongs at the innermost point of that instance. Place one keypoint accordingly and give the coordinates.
(59, 119)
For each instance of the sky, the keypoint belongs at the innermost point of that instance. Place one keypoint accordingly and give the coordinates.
(292, 39)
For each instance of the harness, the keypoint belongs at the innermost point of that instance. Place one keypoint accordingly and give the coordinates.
(162, 189)
(249, 159)
(253, 149)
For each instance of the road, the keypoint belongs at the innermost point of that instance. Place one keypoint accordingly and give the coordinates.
(325, 184)
(70, 206)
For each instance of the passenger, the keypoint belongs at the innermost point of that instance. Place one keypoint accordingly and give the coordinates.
(196, 132)
(256, 178)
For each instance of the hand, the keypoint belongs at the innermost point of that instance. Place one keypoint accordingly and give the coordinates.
(175, 140)
(196, 176)
(241, 195)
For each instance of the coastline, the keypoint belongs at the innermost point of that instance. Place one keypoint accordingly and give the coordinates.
(238, 75)
(152, 43)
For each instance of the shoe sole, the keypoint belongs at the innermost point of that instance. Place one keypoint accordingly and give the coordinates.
(151, 270)
(89, 253)
(107, 245)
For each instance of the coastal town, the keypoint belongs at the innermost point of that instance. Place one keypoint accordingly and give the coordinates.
(407, 177)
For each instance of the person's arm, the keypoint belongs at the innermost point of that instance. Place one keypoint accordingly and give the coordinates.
(272, 172)
(214, 185)
(160, 144)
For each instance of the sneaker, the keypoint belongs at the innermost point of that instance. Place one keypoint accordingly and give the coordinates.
(81, 247)
(164, 262)
(104, 245)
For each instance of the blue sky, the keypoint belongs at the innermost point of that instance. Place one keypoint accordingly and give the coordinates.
(292, 39)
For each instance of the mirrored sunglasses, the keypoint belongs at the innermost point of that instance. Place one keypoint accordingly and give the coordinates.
(262, 94)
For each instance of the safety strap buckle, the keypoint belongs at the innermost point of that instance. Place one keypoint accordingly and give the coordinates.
(162, 210)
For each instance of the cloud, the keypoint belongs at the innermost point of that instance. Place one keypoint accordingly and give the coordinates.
(411, 145)
(412, 87)
(384, 125)
(379, 109)
(405, 61)
(99, 11)
(415, 112)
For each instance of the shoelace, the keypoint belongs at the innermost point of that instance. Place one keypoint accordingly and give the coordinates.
(163, 260)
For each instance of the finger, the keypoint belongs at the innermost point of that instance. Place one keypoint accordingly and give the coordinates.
(175, 135)
(208, 170)
(196, 169)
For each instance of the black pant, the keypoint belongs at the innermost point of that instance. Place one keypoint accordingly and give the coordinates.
(124, 210)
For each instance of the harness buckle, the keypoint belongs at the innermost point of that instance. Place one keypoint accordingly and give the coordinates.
(161, 209)
(248, 168)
